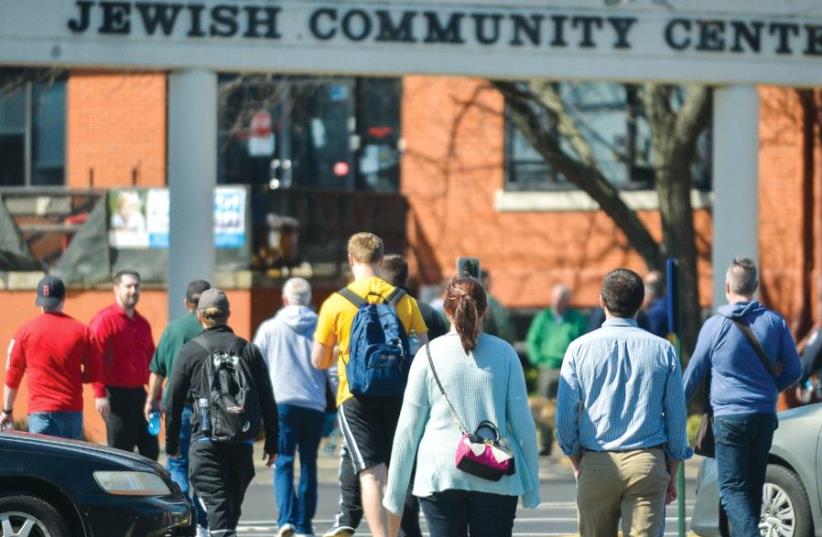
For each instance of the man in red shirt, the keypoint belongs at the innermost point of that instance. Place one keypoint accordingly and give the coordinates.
(127, 345)
(60, 354)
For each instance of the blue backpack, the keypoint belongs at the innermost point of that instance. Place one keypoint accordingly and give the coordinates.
(378, 354)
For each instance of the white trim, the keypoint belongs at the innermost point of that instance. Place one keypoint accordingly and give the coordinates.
(577, 200)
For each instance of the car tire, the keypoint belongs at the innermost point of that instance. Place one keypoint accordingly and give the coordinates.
(17, 509)
(785, 505)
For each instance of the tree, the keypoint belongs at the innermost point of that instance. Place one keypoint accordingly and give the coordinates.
(676, 117)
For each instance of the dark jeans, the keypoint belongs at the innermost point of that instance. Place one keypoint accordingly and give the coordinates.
(126, 426)
(62, 424)
(220, 474)
(300, 429)
(178, 466)
(742, 445)
(459, 513)
(351, 506)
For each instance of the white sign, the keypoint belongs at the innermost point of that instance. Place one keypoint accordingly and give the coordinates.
(725, 41)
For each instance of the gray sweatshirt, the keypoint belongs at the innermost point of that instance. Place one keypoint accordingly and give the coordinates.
(285, 341)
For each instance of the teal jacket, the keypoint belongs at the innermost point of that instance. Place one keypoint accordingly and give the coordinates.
(547, 339)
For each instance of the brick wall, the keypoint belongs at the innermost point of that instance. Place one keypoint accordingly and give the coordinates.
(116, 126)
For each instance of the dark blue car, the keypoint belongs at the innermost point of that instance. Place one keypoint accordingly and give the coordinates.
(52, 487)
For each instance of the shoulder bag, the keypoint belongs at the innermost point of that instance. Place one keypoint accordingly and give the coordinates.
(477, 455)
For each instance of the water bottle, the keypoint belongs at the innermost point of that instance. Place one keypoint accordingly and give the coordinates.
(413, 342)
(154, 423)
(202, 405)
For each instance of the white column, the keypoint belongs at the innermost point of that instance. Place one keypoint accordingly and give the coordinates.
(192, 174)
(735, 180)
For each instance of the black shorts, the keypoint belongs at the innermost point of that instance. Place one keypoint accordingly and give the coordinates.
(368, 425)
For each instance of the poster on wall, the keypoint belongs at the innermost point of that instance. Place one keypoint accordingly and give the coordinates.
(139, 218)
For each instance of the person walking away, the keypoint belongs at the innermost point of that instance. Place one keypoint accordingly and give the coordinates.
(482, 378)
(59, 355)
(367, 421)
(285, 341)
(177, 334)
(497, 321)
(744, 386)
(228, 381)
(549, 335)
(621, 417)
(655, 305)
(127, 345)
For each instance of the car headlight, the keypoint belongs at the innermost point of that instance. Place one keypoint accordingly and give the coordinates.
(132, 483)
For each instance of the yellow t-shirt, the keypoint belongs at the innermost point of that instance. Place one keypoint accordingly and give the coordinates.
(337, 315)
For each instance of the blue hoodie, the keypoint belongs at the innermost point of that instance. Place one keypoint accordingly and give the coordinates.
(740, 384)
(285, 341)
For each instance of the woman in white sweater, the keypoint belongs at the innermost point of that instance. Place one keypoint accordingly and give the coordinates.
(483, 379)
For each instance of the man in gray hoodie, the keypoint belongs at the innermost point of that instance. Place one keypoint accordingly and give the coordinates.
(299, 389)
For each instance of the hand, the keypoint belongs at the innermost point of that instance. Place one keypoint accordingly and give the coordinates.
(270, 459)
(670, 494)
(576, 460)
(151, 406)
(103, 406)
(6, 421)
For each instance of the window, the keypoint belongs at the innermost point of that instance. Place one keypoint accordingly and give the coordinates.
(611, 118)
(327, 133)
(32, 132)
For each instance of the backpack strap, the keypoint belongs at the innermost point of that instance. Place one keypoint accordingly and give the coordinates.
(395, 296)
(237, 346)
(760, 352)
(352, 297)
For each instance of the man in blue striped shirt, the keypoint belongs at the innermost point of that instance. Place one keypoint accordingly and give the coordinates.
(621, 417)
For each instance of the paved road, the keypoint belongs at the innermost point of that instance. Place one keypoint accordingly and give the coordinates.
(555, 516)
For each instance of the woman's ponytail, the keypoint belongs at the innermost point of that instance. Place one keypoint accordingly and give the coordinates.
(465, 303)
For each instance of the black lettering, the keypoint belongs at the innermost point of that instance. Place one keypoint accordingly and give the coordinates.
(671, 38)
(224, 21)
(751, 33)
(196, 29)
(80, 24)
(814, 47)
(479, 28)
(162, 15)
(269, 22)
(314, 23)
(531, 26)
(353, 30)
(784, 29)
(559, 31)
(622, 25)
(450, 33)
(711, 36)
(402, 32)
(115, 18)
(587, 22)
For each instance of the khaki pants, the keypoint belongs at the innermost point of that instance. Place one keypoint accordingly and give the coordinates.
(630, 485)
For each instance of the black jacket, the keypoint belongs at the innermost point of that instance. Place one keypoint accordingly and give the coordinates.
(187, 374)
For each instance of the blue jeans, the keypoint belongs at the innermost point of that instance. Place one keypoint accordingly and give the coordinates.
(178, 467)
(300, 429)
(63, 424)
(742, 445)
(459, 513)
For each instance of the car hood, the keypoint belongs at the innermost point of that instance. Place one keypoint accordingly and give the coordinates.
(49, 445)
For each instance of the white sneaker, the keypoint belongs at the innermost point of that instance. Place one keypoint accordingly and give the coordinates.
(202, 532)
(339, 531)
(287, 530)
(304, 535)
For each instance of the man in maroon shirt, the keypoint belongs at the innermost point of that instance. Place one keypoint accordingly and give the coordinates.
(59, 354)
(127, 345)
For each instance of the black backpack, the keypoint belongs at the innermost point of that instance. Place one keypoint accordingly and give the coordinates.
(232, 412)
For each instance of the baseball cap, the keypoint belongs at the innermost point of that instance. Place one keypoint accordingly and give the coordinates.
(213, 298)
(195, 289)
(50, 291)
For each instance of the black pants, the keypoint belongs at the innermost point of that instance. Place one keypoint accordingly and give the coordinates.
(220, 474)
(126, 426)
(351, 505)
(459, 513)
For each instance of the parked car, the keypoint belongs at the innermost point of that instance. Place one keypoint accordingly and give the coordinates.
(791, 503)
(52, 487)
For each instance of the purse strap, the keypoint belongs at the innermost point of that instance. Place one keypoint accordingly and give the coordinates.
(442, 391)
(760, 352)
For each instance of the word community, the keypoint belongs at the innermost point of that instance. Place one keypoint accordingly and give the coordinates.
(496, 27)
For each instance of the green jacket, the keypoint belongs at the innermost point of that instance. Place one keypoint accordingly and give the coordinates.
(176, 334)
(547, 339)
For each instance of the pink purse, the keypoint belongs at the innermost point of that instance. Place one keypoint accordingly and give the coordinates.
(478, 453)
